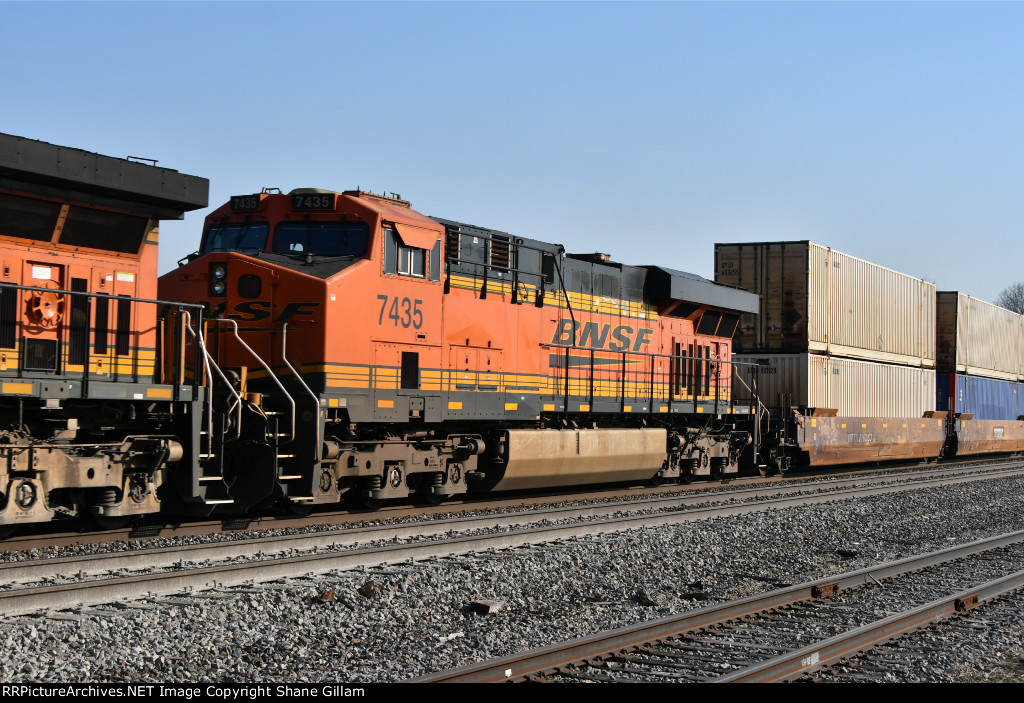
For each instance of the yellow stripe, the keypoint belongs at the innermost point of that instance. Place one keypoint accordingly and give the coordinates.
(454, 405)
(17, 388)
(549, 407)
(158, 393)
(385, 403)
(511, 406)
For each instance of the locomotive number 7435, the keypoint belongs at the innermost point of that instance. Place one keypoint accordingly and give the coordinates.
(404, 312)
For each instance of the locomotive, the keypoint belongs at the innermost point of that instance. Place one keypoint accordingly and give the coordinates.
(90, 425)
(354, 347)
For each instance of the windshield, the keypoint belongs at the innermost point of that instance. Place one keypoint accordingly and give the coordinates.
(236, 237)
(322, 238)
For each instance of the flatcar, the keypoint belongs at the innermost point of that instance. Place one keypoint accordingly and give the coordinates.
(362, 349)
(89, 425)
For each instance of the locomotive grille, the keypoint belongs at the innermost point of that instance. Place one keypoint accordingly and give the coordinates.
(41, 354)
(499, 252)
(111, 231)
(8, 317)
(28, 218)
(451, 244)
(78, 335)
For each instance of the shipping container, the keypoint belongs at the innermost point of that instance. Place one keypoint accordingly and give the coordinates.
(984, 398)
(853, 387)
(978, 338)
(815, 299)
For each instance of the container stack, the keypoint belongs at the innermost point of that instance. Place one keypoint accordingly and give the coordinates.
(834, 331)
(980, 359)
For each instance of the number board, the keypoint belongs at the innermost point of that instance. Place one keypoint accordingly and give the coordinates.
(245, 203)
(313, 201)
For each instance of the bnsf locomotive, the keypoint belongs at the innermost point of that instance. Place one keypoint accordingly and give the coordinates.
(354, 347)
(89, 425)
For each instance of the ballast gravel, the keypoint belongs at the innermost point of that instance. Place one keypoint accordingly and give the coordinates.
(417, 617)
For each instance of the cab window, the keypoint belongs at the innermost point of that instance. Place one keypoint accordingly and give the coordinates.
(236, 237)
(321, 238)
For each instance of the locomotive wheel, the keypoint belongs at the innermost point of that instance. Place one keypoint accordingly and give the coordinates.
(7, 531)
(686, 474)
(105, 522)
(362, 502)
(430, 498)
(424, 490)
(298, 509)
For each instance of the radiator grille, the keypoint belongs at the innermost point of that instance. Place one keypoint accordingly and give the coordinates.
(28, 218)
(98, 229)
(41, 354)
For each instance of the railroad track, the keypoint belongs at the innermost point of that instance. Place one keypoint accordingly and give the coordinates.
(47, 584)
(52, 536)
(780, 635)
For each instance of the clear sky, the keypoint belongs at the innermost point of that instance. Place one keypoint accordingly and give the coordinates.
(890, 131)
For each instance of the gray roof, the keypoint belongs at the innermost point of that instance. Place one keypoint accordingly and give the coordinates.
(666, 283)
(60, 171)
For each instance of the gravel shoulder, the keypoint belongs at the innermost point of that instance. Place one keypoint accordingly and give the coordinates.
(412, 618)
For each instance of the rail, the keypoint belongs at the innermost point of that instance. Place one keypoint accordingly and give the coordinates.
(270, 373)
(73, 336)
(530, 664)
(316, 400)
(627, 381)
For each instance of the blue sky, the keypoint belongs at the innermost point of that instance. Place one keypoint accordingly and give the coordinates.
(650, 131)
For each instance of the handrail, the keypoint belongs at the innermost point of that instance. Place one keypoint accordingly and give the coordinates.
(270, 373)
(316, 400)
(224, 379)
(175, 303)
(209, 379)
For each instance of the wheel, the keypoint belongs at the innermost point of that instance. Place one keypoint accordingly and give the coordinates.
(718, 465)
(362, 502)
(656, 480)
(687, 470)
(424, 488)
(107, 522)
(295, 508)
(7, 531)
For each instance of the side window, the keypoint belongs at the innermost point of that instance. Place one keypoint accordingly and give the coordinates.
(548, 268)
(390, 251)
(401, 259)
(435, 262)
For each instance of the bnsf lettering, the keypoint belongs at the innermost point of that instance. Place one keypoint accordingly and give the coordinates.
(251, 310)
(255, 310)
(595, 335)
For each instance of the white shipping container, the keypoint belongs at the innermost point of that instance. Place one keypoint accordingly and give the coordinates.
(853, 387)
(816, 299)
(979, 338)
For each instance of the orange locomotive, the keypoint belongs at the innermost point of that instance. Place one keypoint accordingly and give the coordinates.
(87, 426)
(355, 347)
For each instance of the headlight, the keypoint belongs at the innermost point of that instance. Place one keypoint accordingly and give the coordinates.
(220, 271)
(218, 287)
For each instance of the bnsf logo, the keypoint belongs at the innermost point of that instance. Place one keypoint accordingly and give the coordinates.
(254, 310)
(594, 335)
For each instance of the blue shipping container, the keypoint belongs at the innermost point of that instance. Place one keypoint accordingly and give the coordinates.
(985, 398)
